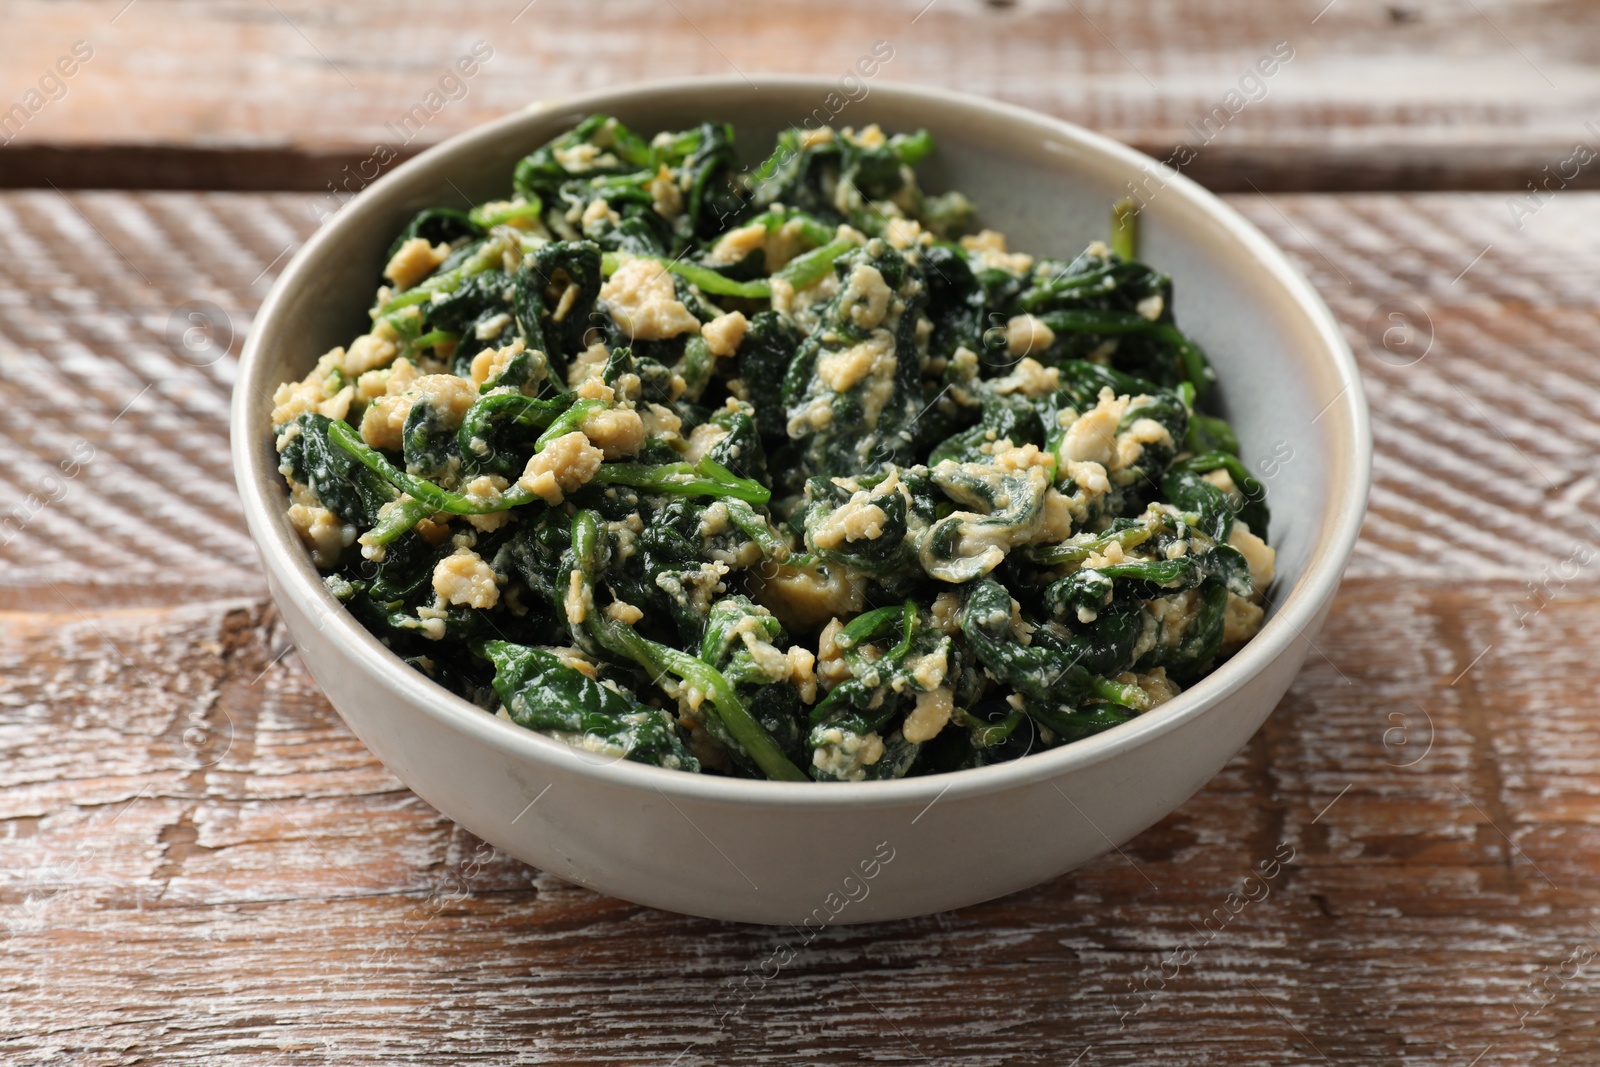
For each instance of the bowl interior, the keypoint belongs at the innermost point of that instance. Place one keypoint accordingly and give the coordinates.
(1287, 379)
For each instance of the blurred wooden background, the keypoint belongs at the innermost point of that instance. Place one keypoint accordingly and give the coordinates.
(274, 94)
(201, 864)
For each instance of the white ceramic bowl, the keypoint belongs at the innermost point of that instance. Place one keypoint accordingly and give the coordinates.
(814, 854)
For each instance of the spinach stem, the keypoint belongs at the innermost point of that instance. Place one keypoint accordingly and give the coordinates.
(623, 640)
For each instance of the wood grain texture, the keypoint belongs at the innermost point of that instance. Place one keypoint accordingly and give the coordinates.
(282, 900)
(1405, 94)
(200, 862)
(1475, 338)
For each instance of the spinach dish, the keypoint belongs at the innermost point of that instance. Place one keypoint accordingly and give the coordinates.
(775, 472)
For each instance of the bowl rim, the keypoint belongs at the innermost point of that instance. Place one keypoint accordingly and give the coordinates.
(285, 559)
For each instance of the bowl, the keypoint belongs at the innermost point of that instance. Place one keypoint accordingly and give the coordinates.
(811, 854)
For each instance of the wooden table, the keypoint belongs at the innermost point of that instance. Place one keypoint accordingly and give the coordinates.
(201, 864)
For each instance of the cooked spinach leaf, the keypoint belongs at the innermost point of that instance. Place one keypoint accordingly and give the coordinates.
(771, 468)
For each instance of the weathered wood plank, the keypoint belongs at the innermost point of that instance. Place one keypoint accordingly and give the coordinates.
(1421, 94)
(117, 471)
(1476, 340)
(289, 902)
